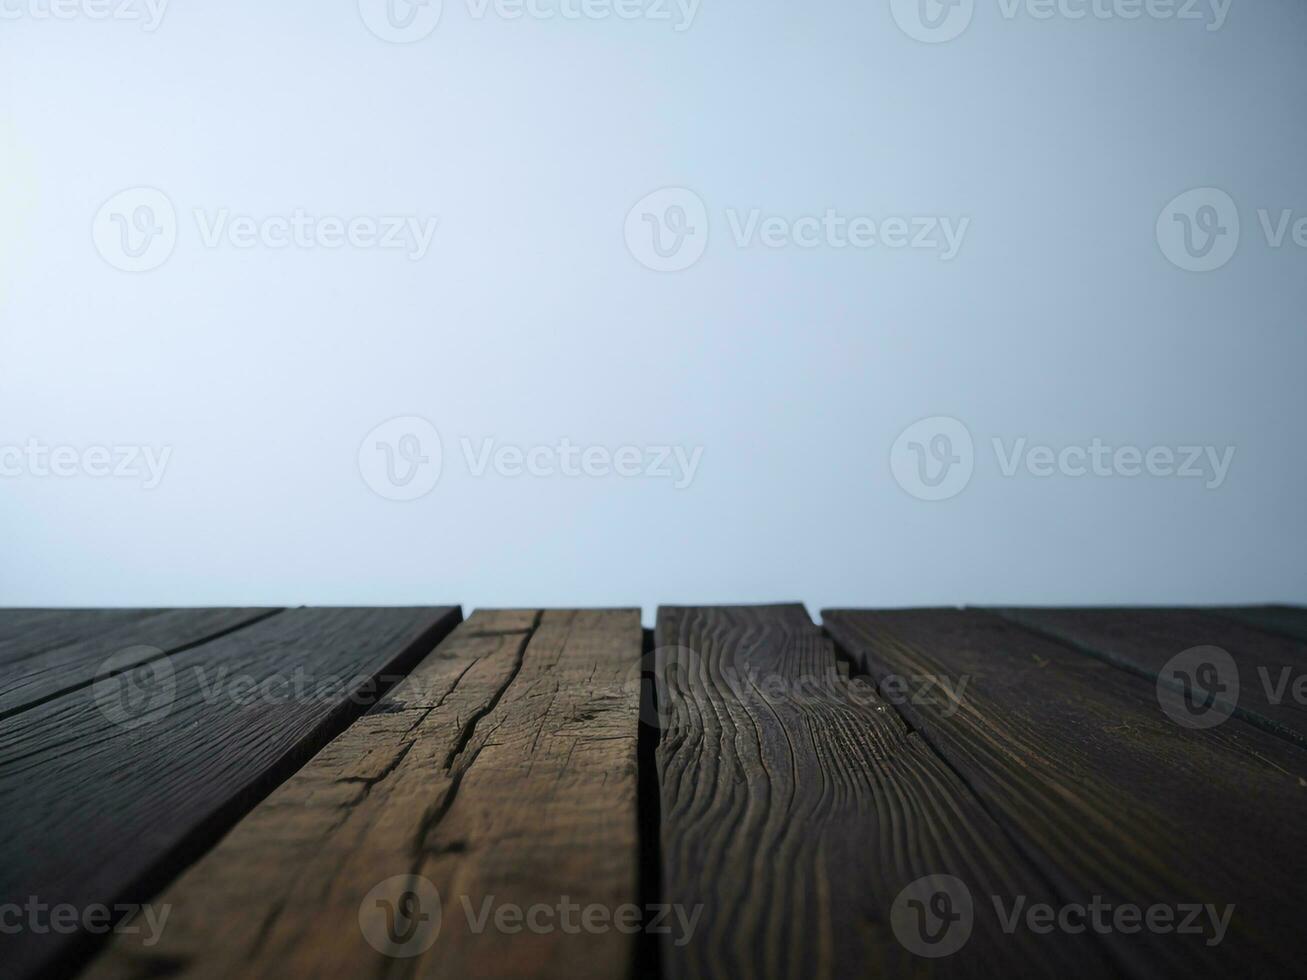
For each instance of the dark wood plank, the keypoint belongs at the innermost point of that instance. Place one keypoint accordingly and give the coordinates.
(1270, 670)
(120, 644)
(798, 811)
(1290, 621)
(1107, 794)
(106, 791)
(502, 769)
(28, 632)
(683, 620)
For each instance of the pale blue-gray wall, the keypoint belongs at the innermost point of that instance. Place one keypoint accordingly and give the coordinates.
(1060, 319)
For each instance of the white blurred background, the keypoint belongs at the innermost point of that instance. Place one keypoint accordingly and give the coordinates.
(260, 373)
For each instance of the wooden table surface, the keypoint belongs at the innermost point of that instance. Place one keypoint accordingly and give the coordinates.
(737, 793)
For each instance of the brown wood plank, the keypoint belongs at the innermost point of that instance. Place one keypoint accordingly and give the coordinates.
(117, 644)
(107, 790)
(1271, 669)
(797, 810)
(503, 769)
(1107, 794)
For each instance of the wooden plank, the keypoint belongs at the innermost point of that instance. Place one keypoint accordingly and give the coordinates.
(798, 811)
(106, 791)
(685, 620)
(28, 632)
(1270, 670)
(1290, 621)
(1108, 795)
(503, 769)
(118, 645)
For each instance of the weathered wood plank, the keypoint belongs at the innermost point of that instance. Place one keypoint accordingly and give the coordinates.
(105, 791)
(502, 770)
(1290, 621)
(797, 811)
(1271, 670)
(120, 643)
(684, 620)
(27, 632)
(1108, 795)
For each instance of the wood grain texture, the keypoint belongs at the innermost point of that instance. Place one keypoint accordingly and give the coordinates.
(1104, 792)
(796, 807)
(503, 769)
(675, 621)
(1144, 640)
(27, 632)
(44, 672)
(1290, 621)
(106, 789)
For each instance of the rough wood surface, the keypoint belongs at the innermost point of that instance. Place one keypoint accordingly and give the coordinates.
(796, 807)
(27, 632)
(37, 671)
(106, 790)
(1105, 793)
(502, 770)
(1272, 669)
(1290, 621)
